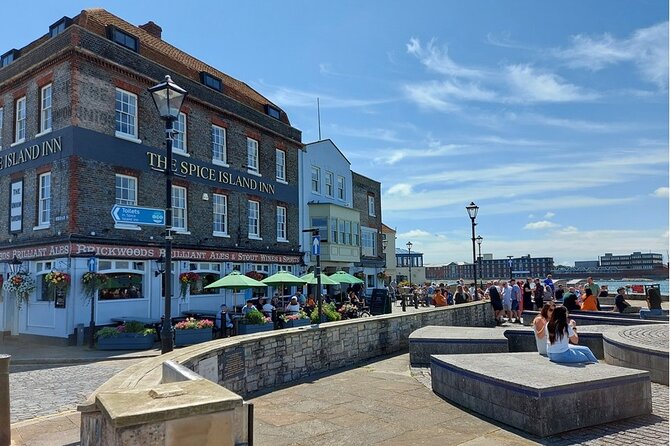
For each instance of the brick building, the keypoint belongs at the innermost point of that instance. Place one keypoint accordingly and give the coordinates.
(79, 133)
(490, 268)
(367, 200)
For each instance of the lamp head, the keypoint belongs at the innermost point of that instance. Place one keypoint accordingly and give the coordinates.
(472, 210)
(168, 98)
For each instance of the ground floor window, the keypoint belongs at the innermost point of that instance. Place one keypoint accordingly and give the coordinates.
(125, 280)
(208, 273)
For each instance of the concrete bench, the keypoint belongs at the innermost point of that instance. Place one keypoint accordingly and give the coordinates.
(597, 318)
(642, 347)
(528, 392)
(435, 340)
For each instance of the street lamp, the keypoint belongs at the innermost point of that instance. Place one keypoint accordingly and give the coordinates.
(479, 258)
(14, 265)
(509, 263)
(409, 258)
(472, 209)
(168, 98)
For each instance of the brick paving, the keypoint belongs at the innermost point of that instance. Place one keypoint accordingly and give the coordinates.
(648, 430)
(655, 336)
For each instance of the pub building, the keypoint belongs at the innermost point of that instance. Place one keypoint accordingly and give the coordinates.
(79, 134)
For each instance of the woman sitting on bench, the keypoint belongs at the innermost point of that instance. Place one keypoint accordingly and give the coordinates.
(559, 331)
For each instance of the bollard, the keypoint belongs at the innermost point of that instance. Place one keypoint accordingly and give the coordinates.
(5, 428)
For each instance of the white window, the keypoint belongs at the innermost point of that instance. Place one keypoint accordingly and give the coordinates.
(329, 184)
(252, 155)
(371, 205)
(316, 180)
(356, 234)
(126, 114)
(44, 207)
(341, 195)
(219, 145)
(254, 219)
(281, 165)
(347, 233)
(126, 190)
(368, 239)
(2, 122)
(45, 109)
(179, 208)
(220, 203)
(179, 138)
(281, 223)
(20, 129)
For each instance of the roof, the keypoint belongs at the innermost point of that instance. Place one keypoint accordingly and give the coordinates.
(327, 140)
(96, 20)
(386, 228)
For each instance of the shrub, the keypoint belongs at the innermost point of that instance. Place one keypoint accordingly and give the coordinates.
(255, 317)
(329, 311)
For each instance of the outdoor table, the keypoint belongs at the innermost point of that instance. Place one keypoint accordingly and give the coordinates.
(147, 321)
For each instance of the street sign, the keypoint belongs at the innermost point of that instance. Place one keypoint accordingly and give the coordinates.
(316, 245)
(93, 265)
(138, 215)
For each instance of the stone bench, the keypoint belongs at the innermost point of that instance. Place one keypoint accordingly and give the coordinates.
(642, 347)
(528, 392)
(597, 318)
(435, 340)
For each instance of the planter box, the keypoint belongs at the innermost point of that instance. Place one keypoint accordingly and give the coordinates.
(190, 337)
(127, 341)
(297, 323)
(243, 329)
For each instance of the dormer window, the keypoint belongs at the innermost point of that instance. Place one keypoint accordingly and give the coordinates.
(272, 111)
(123, 38)
(9, 57)
(60, 26)
(210, 81)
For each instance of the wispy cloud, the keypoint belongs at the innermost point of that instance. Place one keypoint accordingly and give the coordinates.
(531, 85)
(430, 151)
(542, 224)
(661, 192)
(549, 215)
(438, 60)
(381, 134)
(401, 189)
(290, 97)
(414, 233)
(647, 48)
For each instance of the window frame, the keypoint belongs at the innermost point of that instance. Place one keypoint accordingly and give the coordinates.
(371, 206)
(224, 146)
(223, 233)
(317, 181)
(179, 135)
(44, 200)
(281, 224)
(253, 168)
(114, 33)
(46, 110)
(341, 192)
(210, 81)
(184, 209)
(119, 133)
(330, 187)
(20, 122)
(254, 206)
(123, 201)
(280, 168)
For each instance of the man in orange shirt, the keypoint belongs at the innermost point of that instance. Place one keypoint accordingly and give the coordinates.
(439, 299)
(589, 302)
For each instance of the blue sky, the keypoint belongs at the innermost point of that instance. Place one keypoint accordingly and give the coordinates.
(551, 116)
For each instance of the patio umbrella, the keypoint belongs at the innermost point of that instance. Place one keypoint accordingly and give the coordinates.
(236, 281)
(310, 279)
(344, 277)
(283, 278)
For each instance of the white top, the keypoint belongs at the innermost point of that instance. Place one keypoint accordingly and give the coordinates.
(541, 343)
(561, 345)
(293, 308)
(267, 308)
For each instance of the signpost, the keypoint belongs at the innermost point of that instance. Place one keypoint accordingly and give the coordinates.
(138, 215)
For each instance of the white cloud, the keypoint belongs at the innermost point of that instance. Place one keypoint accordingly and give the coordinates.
(438, 60)
(647, 48)
(290, 97)
(542, 224)
(414, 233)
(432, 151)
(530, 85)
(661, 192)
(401, 189)
(549, 215)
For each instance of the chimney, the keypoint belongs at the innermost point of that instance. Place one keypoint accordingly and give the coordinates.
(152, 29)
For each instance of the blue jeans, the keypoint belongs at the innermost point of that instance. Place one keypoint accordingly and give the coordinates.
(655, 312)
(576, 353)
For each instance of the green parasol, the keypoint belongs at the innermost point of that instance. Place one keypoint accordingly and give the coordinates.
(344, 277)
(310, 278)
(236, 281)
(283, 278)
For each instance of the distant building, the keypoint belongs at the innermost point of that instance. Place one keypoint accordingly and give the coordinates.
(367, 201)
(404, 259)
(609, 266)
(520, 267)
(388, 247)
(636, 260)
(586, 264)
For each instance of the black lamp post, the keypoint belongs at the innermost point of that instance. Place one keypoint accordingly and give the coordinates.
(14, 265)
(472, 212)
(479, 260)
(509, 263)
(168, 98)
(409, 255)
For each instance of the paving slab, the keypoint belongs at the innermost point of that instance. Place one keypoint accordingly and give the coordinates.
(436, 340)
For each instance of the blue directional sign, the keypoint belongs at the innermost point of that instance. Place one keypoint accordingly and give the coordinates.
(138, 216)
(316, 245)
(93, 265)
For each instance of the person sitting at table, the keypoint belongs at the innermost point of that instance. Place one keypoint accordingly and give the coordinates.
(311, 304)
(353, 298)
(267, 308)
(225, 317)
(249, 307)
(439, 298)
(293, 306)
(300, 297)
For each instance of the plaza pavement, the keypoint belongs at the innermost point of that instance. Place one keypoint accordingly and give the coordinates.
(381, 402)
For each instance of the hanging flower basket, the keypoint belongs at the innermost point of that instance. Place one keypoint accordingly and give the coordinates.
(381, 275)
(91, 283)
(57, 282)
(22, 284)
(185, 282)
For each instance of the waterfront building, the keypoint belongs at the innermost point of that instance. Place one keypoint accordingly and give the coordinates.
(388, 245)
(634, 261)
(517, 267)
(367, 200)
(79, 134)
(405, 258)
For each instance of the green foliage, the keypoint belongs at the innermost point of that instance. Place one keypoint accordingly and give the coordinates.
(134, 327)
(107, 332)
(255, 317)
(329, 311)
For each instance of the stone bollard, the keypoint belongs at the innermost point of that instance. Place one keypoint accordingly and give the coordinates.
(5, 427)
